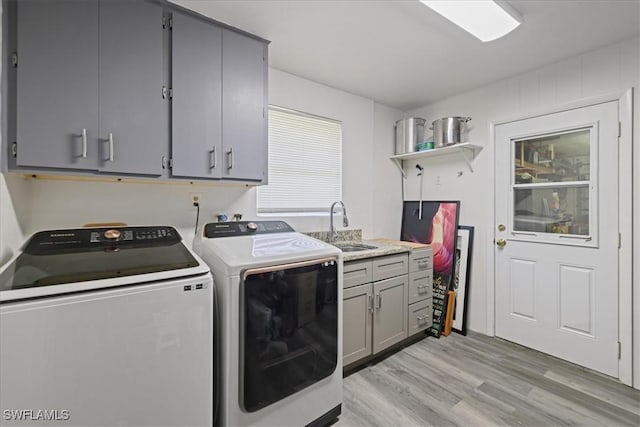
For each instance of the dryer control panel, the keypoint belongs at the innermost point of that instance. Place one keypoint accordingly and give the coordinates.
(245, 228)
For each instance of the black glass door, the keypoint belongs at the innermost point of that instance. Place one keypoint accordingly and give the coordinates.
(290, 327)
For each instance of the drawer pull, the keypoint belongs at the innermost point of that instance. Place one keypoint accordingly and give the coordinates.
(421, 288)
(391, 264)
(421, 318)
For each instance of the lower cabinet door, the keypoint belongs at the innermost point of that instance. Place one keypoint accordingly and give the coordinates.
(357, 308)
(390, 312)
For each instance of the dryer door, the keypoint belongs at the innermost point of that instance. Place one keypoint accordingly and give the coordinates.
(289, 320)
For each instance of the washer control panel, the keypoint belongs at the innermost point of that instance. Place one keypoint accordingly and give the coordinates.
(87, 239)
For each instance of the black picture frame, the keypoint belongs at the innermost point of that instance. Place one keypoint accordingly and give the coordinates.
(462, 278)
(444, 213)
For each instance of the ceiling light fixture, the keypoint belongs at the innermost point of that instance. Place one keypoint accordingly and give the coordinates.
(485, 19)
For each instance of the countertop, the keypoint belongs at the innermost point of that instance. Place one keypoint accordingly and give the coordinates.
(384, 247)
(408, 245)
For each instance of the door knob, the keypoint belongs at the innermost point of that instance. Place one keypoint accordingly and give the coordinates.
(501, 243)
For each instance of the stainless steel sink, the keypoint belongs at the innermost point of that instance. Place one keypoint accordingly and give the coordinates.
(353, 247)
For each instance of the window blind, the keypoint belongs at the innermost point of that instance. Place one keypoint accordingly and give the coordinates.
(305, 163)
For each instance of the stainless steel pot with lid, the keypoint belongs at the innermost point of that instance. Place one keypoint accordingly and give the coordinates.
(448, 130)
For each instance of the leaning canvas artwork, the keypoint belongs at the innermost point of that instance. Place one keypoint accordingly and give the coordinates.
(434, 223)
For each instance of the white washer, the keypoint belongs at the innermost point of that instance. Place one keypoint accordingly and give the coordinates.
(106, 326)
(280, 322)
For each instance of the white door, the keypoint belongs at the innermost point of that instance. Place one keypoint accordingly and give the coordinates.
(556, 235)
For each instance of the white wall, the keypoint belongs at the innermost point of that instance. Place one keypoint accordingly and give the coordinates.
(44, 204)
(606, 70)
(387, 180)
(14, 202)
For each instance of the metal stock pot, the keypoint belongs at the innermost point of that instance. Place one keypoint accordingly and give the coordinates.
(447, 131)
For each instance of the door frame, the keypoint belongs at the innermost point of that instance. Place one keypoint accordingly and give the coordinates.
(625, 223)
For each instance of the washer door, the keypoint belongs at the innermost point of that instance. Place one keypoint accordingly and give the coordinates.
(290, 324)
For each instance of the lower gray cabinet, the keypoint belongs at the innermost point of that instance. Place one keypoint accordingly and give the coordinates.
(390, 312)
(357, 323)
(374, 313)
(420, 309)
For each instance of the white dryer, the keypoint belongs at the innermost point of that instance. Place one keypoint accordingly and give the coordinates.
(279, 299)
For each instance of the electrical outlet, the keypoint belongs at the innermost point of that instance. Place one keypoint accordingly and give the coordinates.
(195, 197)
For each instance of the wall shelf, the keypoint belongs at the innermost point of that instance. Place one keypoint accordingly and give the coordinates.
(466, 150)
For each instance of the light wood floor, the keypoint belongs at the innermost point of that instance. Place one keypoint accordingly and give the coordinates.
(481, 381)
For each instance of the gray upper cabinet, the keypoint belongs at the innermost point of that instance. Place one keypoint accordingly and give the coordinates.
(106, 86)
(132, 136)
(244, 121)
(196, 65)
(89, 80)
(57, 84)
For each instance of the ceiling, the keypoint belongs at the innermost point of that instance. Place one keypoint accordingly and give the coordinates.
(402, 54)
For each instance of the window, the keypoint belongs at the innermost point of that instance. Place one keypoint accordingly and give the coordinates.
(305, 163)
(553, 185)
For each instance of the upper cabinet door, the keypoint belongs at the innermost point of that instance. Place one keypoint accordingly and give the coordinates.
(132, 135)
(197, 98)
(57, 104)
(244, 121)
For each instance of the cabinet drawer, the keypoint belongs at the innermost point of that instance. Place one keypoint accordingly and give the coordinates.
(421, 260)
(420, 286)
(390, 266)
(420, 316)
(357, 273)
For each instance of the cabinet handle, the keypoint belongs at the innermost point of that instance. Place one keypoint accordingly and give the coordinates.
(390, 264)
(421, 319)
(110, 147)
(213, 158)
(83, 133)
(379, 304)
(230, 159)
(370, 305)
(419, 287)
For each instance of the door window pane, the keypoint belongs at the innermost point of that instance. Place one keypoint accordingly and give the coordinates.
(556, 158)
(560, 210)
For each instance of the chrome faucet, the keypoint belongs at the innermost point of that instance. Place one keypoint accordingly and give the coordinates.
(333, 234)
